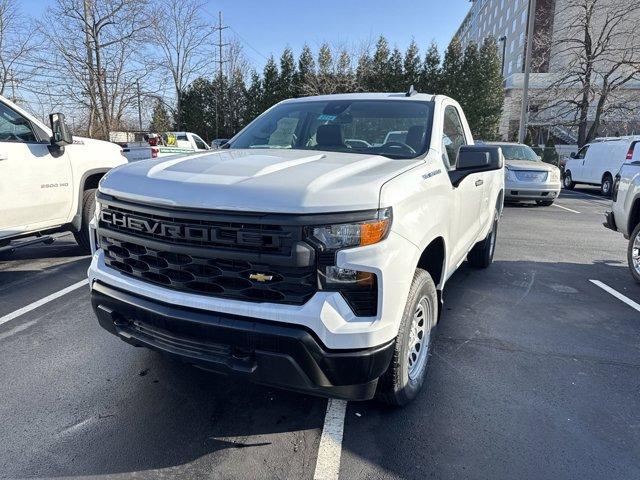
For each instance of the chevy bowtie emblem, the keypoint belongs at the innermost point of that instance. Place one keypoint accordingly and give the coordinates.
(260, 277)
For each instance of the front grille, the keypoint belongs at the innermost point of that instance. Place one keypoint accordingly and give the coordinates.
(228, 278)
(227, 255)
(531, 175)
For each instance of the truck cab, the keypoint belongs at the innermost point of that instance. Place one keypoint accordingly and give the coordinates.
(45, 175)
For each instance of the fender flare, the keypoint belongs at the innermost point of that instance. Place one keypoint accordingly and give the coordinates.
(77, 218)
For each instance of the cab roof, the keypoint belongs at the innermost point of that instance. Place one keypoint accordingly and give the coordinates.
(421, 97)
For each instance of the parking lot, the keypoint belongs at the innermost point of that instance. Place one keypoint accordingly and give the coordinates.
(535, 373)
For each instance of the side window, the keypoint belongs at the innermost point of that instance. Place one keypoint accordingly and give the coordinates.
(200, 143)
(582, 153)
(453, 136)
(14, 127)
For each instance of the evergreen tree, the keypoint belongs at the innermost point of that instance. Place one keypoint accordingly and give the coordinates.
(490, 97)
(395, 82)
(198, 108)
(253, 98)
(452, 70)
(345, 78)
(286, 79)
(470, 84)
(431, 73)
(236, 101)
(306, 72)
(363, 73)
(160, 118)
(411, 66)
(380, 68)
(326, 81)
(270, 84)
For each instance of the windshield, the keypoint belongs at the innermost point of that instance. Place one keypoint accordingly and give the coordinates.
(392, 128)
(519, 152)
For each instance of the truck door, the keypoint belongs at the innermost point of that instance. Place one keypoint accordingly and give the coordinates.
(578, 170)
(468, 195)
(35, 186)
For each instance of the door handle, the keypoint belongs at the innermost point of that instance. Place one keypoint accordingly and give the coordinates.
(479, 182)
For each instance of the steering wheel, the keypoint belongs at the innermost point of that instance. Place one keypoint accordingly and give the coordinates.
(403, 146)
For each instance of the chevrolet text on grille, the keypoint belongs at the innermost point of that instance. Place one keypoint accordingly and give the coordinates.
(182, 231)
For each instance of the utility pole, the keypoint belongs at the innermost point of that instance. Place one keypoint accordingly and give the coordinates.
(139, 106)
(220, 96)
(524, 113)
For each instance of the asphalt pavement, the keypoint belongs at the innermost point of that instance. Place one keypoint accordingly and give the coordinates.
(534, 373)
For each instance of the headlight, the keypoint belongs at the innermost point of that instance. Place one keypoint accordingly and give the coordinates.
(358, 288)
(555, 175)
(348, 235)
(508, 174)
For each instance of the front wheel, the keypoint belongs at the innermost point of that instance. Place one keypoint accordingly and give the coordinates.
(633, 253)
(403, 379)
(567, 181)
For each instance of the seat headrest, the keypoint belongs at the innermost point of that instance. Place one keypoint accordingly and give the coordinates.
(415, 137)
(329, 135)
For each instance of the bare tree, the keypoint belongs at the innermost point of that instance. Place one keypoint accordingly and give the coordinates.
(596, 53)
(96, 64)
(184, 39)
(16, 45)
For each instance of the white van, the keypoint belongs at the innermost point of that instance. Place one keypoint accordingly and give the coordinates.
(598, 162)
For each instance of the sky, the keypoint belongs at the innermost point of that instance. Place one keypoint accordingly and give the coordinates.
(266, 27)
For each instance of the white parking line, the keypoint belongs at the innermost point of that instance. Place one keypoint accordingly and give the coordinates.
(564, 208)
(586, 194)
(328, 463)
(616, 294)
(42, 301)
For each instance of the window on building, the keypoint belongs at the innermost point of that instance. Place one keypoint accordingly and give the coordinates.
(519, 63)
(523, 16)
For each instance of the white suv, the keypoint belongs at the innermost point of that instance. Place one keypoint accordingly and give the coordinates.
(308, 253)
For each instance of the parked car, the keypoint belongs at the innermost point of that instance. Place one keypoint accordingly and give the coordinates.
(625, 214)
(293, 259)
(48, 178)
(527, 177)
(597, 163)
(165, 145)
(218, 143)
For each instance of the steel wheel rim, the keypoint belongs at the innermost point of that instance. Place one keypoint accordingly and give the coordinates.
(635, 253)
(419, 339)
(606, 186)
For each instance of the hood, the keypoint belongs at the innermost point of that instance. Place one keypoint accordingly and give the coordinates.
(258, 180)
(529, 165)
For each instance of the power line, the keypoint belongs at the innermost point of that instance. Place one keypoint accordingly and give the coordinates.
(221, 61)
(248, 44)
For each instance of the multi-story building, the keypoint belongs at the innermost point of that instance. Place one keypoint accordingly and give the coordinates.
(507, 21)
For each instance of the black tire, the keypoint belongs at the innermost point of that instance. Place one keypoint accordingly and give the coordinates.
(403, 380)
(481, 255)
(634, 238)
(544, 203)
(567, 181)
(607, 185)
(88, 210)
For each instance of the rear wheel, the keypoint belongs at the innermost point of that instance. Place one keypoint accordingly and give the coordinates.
(606, 185)
(544, 203)
(567, 181)
(481, 255)
(633, 253)
(88, 210)
(403, 379)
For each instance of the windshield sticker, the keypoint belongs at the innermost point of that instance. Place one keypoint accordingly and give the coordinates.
(327, 118)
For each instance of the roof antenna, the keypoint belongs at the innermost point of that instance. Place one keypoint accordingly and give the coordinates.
(411, 92)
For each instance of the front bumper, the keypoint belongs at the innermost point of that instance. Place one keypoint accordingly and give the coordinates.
(270, 353)
(531, 191)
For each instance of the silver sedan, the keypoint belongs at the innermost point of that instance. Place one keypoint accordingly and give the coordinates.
(527, 177)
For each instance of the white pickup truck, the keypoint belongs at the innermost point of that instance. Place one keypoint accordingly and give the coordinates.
(625, 215)
(295, 258)
(48, 178)
(167, 144)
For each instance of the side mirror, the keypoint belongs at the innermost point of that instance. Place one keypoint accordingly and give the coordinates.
(61, 134)
(573, 154)
(476, 159)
